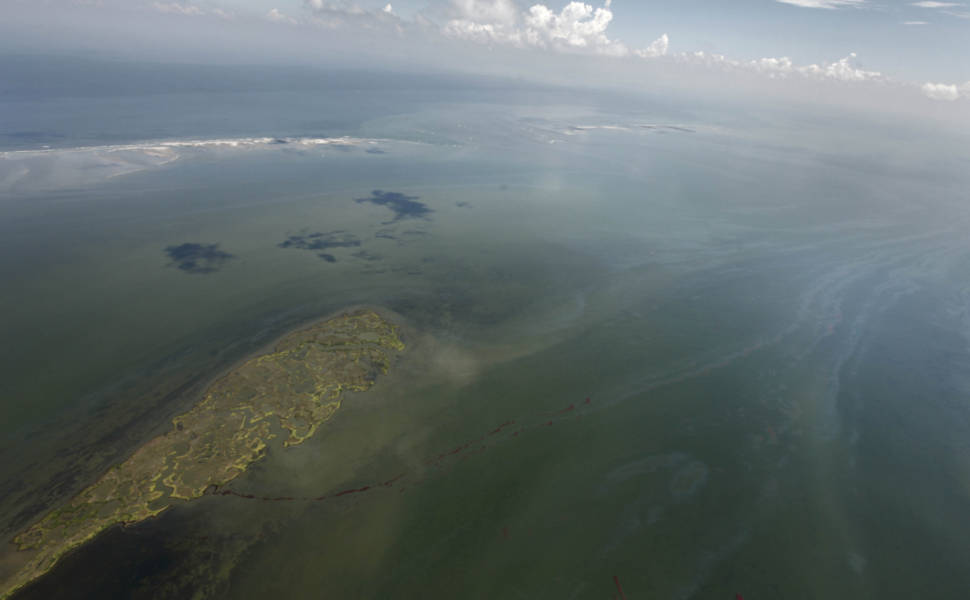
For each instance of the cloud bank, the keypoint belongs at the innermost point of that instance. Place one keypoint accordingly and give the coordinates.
(547, 40)
(190, 10)
(826, 4)
(946, 91)
(578, 27)
(840, 70)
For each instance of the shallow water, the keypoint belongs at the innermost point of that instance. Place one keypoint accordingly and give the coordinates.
(772, 338)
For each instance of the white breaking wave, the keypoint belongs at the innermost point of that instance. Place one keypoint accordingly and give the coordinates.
(48, 168)
(167, 145)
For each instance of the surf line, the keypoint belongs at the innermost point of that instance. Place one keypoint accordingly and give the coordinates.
(436, 460)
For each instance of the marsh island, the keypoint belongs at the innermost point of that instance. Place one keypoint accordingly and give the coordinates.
(297, 385)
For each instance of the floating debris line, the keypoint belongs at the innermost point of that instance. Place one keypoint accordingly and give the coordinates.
(436, 460)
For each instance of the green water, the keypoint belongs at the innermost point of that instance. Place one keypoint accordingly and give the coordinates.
(773, 343)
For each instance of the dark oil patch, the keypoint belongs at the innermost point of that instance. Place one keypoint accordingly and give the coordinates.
(320, 240)
(404, 206)
(197, 258)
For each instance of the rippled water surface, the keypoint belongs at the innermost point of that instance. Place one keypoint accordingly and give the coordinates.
(646, 350)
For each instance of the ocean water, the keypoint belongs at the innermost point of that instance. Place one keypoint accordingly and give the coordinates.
(652, 353)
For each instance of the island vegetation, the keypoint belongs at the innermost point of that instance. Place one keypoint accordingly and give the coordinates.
(289, 391)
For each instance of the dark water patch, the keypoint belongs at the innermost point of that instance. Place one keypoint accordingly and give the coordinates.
(198, 258)
(404, 206)
(365, 255)
(34, 136)
(320, 240)
(402, 238)
(106, 567)
(167, 557)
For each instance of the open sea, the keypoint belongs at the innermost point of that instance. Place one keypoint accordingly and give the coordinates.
(655, 349)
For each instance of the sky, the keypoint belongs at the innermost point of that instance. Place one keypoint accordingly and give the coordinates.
(932, 40)
(906, 47)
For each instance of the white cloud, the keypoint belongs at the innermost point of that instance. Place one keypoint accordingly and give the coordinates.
(841, 70)
(484, 21)
(179, 9)
(578, 27)
(780, 68)
(342, 14)
(656, 48)
(323, 6)
(940, 91)
(182, 8)
(946, 8)
(946, 91)
(494, 12)
(581, 28)
(827, 4)
(482, 33)
(275, 15)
